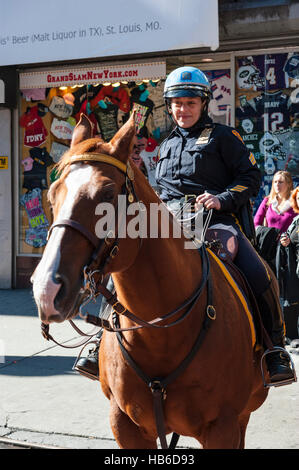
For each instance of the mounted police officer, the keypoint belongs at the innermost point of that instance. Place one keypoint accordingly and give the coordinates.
(210, 161)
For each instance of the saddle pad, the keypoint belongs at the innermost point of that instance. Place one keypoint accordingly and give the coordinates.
(239, 294)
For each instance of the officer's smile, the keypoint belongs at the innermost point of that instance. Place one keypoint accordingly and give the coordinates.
(186, 111)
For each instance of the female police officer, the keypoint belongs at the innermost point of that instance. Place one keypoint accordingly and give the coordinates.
(211, 161)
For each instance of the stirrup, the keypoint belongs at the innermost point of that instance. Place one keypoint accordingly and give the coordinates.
(82, 372)
(279, 383)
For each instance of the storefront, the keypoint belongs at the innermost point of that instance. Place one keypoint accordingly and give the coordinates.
(255, 90)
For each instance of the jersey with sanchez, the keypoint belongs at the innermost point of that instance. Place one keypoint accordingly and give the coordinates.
(208, 157)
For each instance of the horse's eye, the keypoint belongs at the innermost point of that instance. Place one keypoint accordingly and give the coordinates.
(107, 195)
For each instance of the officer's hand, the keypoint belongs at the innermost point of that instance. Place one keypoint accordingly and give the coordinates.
(285, 240)
(209, 201)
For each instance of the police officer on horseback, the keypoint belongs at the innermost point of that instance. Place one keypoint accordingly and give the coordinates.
(211, 161)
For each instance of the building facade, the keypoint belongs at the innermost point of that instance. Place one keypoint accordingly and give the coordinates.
(248, 52)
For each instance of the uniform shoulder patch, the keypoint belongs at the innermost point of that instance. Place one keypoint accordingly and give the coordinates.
(252, 159)
(236, 133)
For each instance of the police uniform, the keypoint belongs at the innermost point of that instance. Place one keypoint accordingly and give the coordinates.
(212, 157)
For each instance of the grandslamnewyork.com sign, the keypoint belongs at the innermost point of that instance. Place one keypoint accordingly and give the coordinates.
(91, 75)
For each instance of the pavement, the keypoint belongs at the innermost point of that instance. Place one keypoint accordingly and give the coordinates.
(44, 401)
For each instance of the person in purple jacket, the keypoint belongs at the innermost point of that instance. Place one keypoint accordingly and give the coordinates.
(275, 210)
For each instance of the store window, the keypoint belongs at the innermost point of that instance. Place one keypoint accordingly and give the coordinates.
(48, 115)
(267, 112)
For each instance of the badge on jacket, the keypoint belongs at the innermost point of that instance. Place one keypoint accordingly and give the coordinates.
(204, 136)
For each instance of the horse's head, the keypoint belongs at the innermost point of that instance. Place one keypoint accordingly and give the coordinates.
(91, 172)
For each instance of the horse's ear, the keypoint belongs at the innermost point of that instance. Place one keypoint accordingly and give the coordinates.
(82, 131)
(124, 139)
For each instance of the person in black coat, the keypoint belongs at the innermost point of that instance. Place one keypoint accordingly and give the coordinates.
(287, 267)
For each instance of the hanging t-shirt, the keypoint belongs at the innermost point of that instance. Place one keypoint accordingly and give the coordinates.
(60, 108)
(107, 120)
(291, 67)
(221, 89)
(35, 131)
(32, 203)
(62, 129)
(117, 95)
(34, 94)
(37, 176)
(142, 105)
(57, 150)
(150, 157)
(261, 72)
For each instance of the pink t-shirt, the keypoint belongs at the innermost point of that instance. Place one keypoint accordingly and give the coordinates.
(273, 217)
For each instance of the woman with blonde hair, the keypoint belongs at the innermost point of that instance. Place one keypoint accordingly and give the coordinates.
(275, 210)
(287, 264)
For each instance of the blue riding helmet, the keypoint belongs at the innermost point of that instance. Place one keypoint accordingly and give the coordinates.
(187, 82)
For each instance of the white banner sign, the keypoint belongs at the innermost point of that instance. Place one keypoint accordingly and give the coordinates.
(93, 74)
(35, 31)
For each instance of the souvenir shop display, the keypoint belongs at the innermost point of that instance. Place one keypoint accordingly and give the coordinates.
(47, 120)
(267, 113)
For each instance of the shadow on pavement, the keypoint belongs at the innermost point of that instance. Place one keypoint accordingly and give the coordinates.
(36, 366)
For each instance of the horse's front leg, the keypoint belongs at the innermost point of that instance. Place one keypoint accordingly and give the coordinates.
(127, 434)
(223, 433)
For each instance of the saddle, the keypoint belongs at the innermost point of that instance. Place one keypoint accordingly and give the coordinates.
(224, 245)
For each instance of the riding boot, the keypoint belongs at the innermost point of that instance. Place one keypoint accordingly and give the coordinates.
(278, 362)
(89, 365)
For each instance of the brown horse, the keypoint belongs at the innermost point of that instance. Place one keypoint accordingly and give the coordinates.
(213, 395)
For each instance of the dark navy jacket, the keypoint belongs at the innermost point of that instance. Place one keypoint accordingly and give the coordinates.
(220, 164)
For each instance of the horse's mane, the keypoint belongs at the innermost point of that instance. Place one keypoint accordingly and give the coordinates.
(95, 144)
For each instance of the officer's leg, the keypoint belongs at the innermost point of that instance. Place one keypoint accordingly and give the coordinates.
(90, 365)
(267, 295)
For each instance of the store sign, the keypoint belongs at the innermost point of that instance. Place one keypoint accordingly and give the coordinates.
(92, 75)
(33, 33)
(3, 163)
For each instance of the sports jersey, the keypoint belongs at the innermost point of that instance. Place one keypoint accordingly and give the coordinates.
(269, 111)
(35, 131)
(291, 67)
(262, 72)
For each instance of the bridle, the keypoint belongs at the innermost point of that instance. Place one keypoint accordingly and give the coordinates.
(94, 288)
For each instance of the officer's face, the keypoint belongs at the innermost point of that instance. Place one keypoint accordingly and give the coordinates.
(186, 111)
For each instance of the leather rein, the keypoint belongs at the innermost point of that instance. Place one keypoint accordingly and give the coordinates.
(93, 288)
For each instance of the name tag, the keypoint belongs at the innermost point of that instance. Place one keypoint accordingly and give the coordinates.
(204, 136)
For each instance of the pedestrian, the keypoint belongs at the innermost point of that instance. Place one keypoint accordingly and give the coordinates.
(275, 210)
(287, 261)
(210, 160)
(273, 216)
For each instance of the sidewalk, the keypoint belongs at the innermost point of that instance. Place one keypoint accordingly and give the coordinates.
(42, 400)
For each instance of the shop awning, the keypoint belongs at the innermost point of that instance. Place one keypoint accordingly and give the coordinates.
(92, 75)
